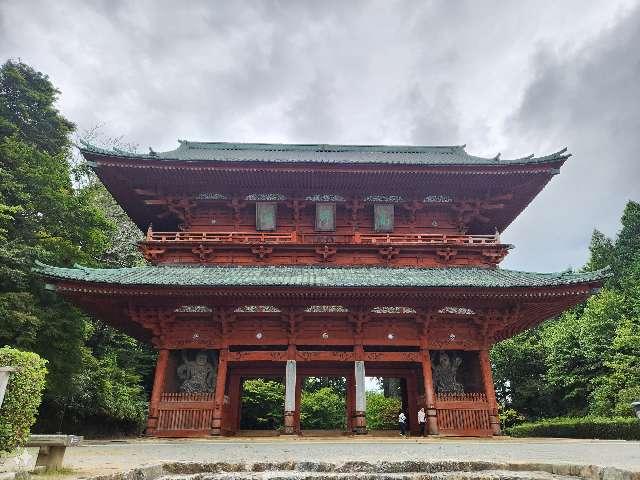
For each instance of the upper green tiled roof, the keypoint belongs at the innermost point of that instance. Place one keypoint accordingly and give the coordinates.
(318, 153)
(311, 276)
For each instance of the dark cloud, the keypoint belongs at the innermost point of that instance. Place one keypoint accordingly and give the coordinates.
(590, 101)
(514, 77)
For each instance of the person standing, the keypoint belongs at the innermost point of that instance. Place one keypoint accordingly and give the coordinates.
(402, 422)
(422, 419)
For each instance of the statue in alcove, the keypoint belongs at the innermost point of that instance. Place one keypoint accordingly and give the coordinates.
(196, 376)
(444, 373)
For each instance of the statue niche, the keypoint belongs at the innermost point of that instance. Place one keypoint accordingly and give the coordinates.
(444, 374)
(196, 376)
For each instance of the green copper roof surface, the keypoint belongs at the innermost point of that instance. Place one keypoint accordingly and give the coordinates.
(311, 276)
(317, 153)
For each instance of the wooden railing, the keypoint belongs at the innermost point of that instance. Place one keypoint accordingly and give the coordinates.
(185, 414)
(187, 397)
(322, 238)
(426, 238)
(461, 397)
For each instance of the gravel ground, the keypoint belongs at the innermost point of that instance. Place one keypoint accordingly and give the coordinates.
(116, 456)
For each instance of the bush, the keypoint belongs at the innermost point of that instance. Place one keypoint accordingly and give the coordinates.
(262, 404)
(382, 412)
(618, 428)
(323, 409)
(23, 396)
(510, 418)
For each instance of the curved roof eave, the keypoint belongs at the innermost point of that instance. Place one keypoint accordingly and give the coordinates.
(321, 277)
(223, 152)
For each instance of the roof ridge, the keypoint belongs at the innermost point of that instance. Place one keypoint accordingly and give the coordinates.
(433, 155)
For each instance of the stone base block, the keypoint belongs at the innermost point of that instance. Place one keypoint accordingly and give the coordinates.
(359, 422)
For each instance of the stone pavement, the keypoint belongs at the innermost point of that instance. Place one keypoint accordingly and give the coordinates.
(116, 456)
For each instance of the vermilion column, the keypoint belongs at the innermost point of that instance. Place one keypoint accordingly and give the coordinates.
(429, 395)
(487, 377)
(221, 381)
(158, 389)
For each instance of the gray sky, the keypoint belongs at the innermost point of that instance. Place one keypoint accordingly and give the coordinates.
(515, 77)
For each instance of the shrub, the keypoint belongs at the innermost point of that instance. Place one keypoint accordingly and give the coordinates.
(382, 412)
(262, 404)
(620, 428)
(323, 409)
(23, 396)
(510, 418)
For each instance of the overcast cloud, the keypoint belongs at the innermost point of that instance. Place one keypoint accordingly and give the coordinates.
(511, 77)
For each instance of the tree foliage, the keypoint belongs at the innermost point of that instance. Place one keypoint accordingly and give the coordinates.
(587, 361)
(262, 404)
(322, 409)
(382, 411)
(45, 216)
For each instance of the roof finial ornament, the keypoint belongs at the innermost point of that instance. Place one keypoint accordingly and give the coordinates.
(152, 152)
(497, 157)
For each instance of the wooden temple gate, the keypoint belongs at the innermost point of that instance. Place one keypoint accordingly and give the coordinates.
(294, 260)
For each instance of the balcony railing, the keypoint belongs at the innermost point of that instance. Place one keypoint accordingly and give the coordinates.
(322, 238)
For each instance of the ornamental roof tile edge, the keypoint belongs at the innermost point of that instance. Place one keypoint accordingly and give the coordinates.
(313, 276)
(189, 151)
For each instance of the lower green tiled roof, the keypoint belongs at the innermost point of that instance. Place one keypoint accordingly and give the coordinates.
(311, 276)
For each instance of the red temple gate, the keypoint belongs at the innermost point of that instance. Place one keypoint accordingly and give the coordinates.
(313, 260)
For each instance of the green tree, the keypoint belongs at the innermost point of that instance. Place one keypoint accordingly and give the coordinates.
(585, 361)
(43, 216)
(323, 409)
(262, 404)
(382, 411)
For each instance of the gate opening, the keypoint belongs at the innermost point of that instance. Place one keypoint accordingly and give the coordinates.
(262, 405)
(323, 403)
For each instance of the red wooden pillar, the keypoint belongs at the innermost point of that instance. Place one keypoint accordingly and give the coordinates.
(487, 378)
(429, 395)
(221, 381)
(158, 389)
(412, 403)
(296, 418)
(350, 401)
(235, 402)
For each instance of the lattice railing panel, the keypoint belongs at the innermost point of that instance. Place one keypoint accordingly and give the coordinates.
(463, 421)
(187, 419)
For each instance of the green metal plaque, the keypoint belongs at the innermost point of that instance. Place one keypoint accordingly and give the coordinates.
(325, 217)
(383, 218)
(265, 216)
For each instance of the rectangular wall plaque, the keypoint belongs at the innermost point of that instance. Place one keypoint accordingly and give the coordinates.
(266, 216)
(325, 217)
(383, 215)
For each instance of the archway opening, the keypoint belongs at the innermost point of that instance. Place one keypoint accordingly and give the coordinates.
(262, 404)
(323, 405)
(386, 397)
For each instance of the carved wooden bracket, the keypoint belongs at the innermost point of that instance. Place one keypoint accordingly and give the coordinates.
(495, 256)
(413, 207)
(296, 206)
(181, 207)
(203, 253)
(237, 204)
(326, 252)
(154, 319)
(389, 253)
(355, 205)
(152, 254)
(470, 210)
(261, 251)
(447, 254)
